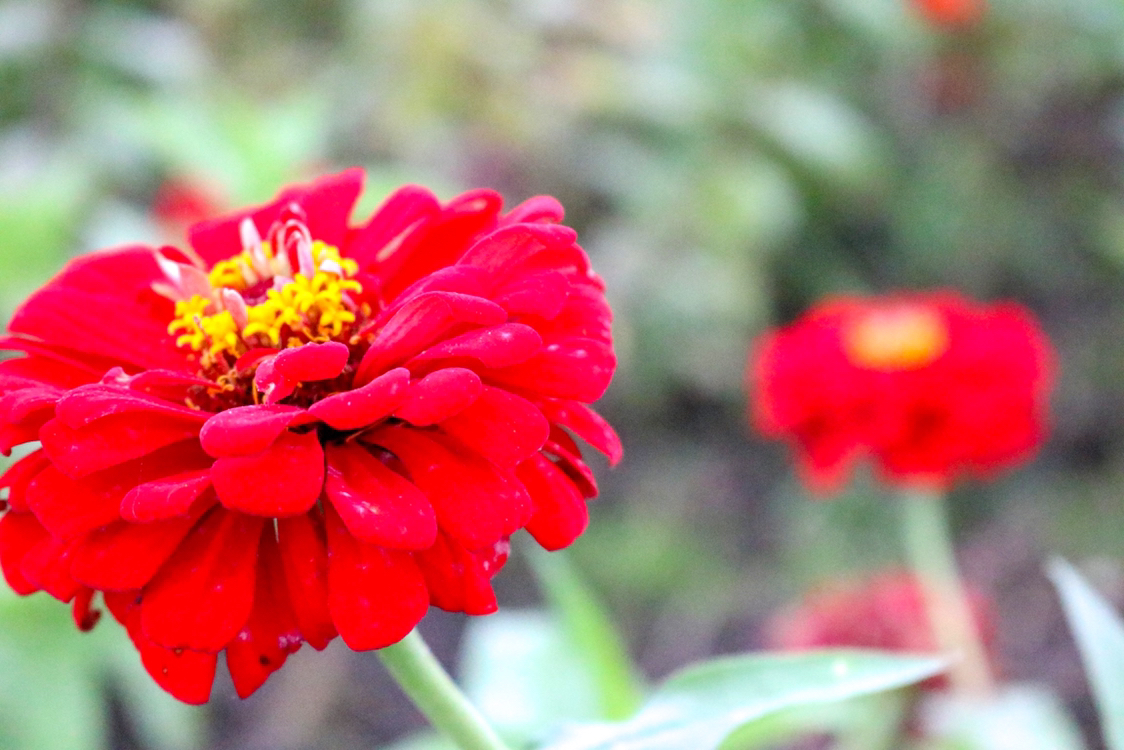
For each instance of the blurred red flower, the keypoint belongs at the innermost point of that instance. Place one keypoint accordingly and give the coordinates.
(180, 202)
(886, 611)
(929, 385)
(952, 14)
(255, 443)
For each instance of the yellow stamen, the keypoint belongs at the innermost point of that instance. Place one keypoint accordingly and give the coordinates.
(315, 309)
(896, 338)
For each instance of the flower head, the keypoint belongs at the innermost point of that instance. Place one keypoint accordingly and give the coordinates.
(952, 14)
(886, 611)
(929, 385)
(180, 202)
(297, 427)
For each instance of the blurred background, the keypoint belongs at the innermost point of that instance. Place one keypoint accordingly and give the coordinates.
(726, 163)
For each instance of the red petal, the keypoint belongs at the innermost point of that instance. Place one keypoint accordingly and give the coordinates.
(586, 424)
(87, 366)
(402, 213)
(113, 440)
(279, 376)
(12, 435)
(498, 346)
(419, 322)
(47, 566)
(541, 294)
(202, 596)
(456, 580)
(476, 503)
(72, 507)
(71, 309)
(69, 508)
(166, 385)
(365, 405)
(246, 429)
(566, 258)
(562, 446)
(271, 633)
(502, 427)
(304, 556)
(165, 498)
(507, 247)
(315, 361)
(573, 368)
(459, 279)
(124, 556)
(560, 510)
(90, 403)
(377, 505)
(19, 534)
(19, 475)
(283, 480)
(585, 314)
(377, 595)
(541, 208)
(439, 242)
(187, 675)
(29, 404)
(327, 204)
(85, 616)
(32, 372)
(439, 395)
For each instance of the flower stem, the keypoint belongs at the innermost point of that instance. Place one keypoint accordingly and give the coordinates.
(928, 542)
(429, 686)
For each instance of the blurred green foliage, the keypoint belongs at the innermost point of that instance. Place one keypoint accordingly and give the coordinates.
(726, 162)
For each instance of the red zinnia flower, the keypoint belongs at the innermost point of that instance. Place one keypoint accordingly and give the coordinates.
(930, 385)
(180, 202)
(952, 14)
(885, 612)
(255, 443)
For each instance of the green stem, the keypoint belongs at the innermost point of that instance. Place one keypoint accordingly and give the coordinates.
(928, 542)
(429, 686)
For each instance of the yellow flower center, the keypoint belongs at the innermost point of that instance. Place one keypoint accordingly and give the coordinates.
(896, 338)
(299, 310)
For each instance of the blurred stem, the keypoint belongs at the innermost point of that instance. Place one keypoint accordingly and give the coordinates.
(425, 681)
(928, 542)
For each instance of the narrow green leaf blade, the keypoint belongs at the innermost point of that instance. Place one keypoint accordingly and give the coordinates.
(591, 632)
(1099, 632)
(701, 705)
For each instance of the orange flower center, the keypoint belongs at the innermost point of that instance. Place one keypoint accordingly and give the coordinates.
(903, 337)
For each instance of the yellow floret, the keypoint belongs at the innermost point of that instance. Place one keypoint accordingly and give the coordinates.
(313, 309)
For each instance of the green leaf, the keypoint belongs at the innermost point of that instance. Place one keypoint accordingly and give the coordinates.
(1021, 715)
(591, 632)
(53, 680)
(702, 705)
(1100, 638)
(521, 671)
(870, 722)
(424, 740)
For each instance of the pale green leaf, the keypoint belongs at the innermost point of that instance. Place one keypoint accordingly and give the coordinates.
(424, 740)
(702, 705)
(522, 672)
(1100, 638)
(1019, 717)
